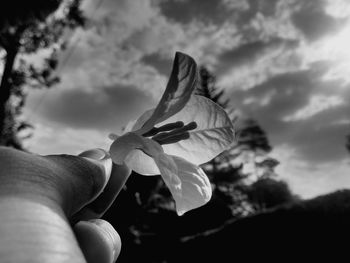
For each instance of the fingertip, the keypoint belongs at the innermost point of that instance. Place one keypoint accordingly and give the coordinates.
(98, 240)
(96, 154)
(99, 157)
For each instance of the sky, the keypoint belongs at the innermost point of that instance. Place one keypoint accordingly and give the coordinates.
(283, 63)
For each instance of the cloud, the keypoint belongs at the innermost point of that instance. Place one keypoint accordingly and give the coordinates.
(310, 180)
(241, 5)
(107, 108)
(187, 11)
(317, 104)
(313, 21)
(318, 145)
(338, 8)
(57, 139)
(161, 64)
(255, 63)
(251, 52)
(288, 96)
(121, 18)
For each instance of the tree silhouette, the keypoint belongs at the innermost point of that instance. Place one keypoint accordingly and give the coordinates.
(245, 162)
(267, 193)
(26, 28)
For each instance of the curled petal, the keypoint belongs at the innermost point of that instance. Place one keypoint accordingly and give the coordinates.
(169, 170)
(126, 144)
(138, 123)
(188, 184)
(181, 84)
(194, 189)
(141, 163)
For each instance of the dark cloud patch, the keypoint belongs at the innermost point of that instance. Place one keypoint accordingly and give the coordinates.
(312, 20)
(265, 7)
(317, 139)
(109, 110)
(250, 52)
(241, 54)
(163, 66)
(319, 145)
(333, 115)
(216, 12)
(207, 11)
(288, 92)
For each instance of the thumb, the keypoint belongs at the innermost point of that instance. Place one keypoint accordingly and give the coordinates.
(80, 179)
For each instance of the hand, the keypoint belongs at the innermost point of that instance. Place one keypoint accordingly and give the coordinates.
(50, 205)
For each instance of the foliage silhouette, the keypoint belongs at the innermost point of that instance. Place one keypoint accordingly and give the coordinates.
(303, 229)
(26, 31)
(267, 193)
(227, 171)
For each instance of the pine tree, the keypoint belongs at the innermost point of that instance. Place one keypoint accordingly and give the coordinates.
(229, 172)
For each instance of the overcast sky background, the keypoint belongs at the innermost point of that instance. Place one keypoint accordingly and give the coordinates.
(285, 63)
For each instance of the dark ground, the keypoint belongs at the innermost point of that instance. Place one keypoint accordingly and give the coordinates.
(304, 231)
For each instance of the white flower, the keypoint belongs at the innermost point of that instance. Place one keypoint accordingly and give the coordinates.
(176, 149)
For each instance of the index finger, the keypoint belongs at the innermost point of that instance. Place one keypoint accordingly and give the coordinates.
(96, 209)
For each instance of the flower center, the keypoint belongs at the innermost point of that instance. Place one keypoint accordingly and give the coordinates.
(171, 132)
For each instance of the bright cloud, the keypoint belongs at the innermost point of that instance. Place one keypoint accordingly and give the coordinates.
(49, 139)
(236, 4)
(317, 104)
(273, 60)
(310, 180)
(261, 101)
(338, 8)
(334, 50)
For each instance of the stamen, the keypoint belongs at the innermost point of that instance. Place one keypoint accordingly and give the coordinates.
(174, 139)
(175, 135)
(166, 127)
(192, 125)
(186, 128)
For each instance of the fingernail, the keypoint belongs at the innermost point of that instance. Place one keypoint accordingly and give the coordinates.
(110, 232)
(96, 154)
(99, 157)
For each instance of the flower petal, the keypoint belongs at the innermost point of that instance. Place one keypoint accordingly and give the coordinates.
(169, 170)
(181, 84)
(188, 184)
(137, 124)
(213, 135)
(141, 163)
(126, 144)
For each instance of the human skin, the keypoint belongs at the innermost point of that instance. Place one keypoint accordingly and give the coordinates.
(50, 205)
